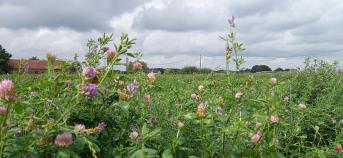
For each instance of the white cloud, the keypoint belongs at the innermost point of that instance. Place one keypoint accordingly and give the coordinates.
(172, 33)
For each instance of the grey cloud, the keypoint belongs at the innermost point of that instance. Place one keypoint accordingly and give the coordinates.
(75, 14)
(273, 32)
(178, 16)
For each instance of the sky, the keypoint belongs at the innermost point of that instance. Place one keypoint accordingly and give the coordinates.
(174, 33)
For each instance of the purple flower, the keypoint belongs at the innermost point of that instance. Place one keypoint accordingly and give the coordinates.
(106, 48)
(101, 126)
(231, 21)
(286, 98)
(47, 103)
(64, 140)
(95, 48)
(134, 135)
(7, 91)
(256, 137)
(132, 88)
(3, 110)
(137, 66)
(80, 128)
(238, 95)
(90, 90)
(274, 119)
(89, 72)
(220, 111)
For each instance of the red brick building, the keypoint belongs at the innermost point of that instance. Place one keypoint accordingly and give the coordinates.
(32, 66)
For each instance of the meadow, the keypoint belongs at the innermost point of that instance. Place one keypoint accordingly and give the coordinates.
(95, 112)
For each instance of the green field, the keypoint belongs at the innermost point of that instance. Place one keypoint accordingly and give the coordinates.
(215, 123)
(95, 112)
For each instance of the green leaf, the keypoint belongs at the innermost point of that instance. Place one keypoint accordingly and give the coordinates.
(78, 144)
(167, 154)
(189, 116)
(137, 154)
(130, 55)
(145, 130)
(153, 133)
(63, 154)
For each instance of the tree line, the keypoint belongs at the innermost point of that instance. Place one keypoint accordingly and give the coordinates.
(5, 56)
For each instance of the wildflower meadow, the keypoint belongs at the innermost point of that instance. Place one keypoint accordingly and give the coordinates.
(97, 112)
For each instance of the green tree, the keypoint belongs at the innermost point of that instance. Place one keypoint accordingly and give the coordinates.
(189, 70)
(34, 58)
(278, 69)
(4, 57)
(260, 68)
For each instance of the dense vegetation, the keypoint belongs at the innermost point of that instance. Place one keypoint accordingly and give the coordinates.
(4, 57)
(98, 113)
(209, 115)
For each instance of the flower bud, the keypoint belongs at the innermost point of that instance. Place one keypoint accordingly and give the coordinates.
(151, 76)
(111, 54)
(286, 99)
(3, 110)
(134, 135)
(238, 95)
(89, 73)
(201, 88)
(258, 125)
(79, 128)
(137, 66)
(7, 91)
(273, 80)
(147, 98)
(256, 137)
(194, 96)
(274, 119)
(339, 148)
(64, 140)
(301, 106)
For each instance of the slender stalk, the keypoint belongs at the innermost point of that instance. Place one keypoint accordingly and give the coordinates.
(2, 132)
(109, 68)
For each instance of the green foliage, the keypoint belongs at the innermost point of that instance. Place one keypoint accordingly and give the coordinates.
(233, 46)
(192, 70)
(189, 70)
(279, 69)
(168, 126)
(195, 115)
(205, 71)
(4, 57)
(260, 68)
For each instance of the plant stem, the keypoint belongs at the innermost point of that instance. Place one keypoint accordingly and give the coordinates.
(2, 142)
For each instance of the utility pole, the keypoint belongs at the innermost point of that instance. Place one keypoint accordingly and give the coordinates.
(200, 61)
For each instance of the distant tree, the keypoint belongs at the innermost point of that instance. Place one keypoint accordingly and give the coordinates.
(169, 71)
(278, 69)
(4, 57)
(205, 70)
(189, 70)
(129, 67)
(34, 58)
(245, 70)
(260, 68)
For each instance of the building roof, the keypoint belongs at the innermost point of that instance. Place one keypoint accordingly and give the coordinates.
(32, 64)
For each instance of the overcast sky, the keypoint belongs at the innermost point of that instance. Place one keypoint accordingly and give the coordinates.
(173, 33)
